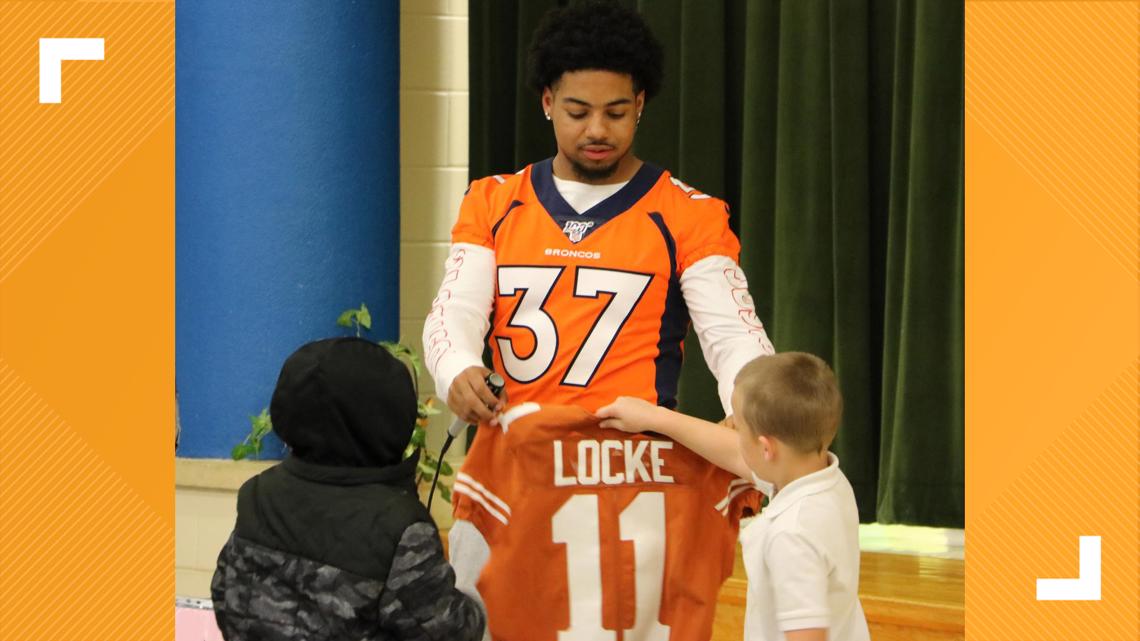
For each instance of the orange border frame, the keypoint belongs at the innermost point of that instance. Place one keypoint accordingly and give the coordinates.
(1052, 322)
(86, 319)
(87, 325)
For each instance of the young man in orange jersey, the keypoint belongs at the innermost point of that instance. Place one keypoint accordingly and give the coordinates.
(593, 263)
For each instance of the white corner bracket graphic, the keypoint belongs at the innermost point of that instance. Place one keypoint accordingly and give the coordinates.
(1084, 588)
(53, 51)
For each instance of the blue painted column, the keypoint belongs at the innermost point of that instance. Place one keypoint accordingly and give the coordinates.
(287, 194)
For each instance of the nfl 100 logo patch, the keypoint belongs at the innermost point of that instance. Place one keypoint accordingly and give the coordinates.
(575, 230)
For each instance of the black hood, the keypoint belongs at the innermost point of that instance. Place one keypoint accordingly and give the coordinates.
(346, 402)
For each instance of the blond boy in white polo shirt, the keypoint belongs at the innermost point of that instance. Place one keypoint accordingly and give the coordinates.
(802, 553)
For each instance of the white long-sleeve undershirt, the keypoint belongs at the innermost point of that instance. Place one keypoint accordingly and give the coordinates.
(460, 314)
(724, 317)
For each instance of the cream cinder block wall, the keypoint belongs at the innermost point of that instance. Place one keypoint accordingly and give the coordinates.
(433, 177)
(433, 162)
(205, 508)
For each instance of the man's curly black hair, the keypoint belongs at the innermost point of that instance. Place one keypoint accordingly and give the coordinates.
(599, 34)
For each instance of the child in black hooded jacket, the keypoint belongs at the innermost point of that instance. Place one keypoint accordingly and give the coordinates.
(333, 543)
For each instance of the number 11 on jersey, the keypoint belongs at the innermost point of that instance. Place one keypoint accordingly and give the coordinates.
(642, 522)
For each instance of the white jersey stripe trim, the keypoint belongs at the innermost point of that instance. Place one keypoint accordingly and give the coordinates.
(730, 494)
(728, 501)
(517, 412)
(477, 486)
(478, 498)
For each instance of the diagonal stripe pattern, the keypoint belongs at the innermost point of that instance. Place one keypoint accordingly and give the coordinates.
(53, 156)
(1055, 84)
(86, 548)
(115, 583)
(1052, 90)
(1024, 536)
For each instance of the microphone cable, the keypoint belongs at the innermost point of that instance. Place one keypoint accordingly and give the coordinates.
(496, 384)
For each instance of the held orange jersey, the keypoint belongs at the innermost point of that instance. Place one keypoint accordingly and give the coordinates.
(597, 534)
(588, 307)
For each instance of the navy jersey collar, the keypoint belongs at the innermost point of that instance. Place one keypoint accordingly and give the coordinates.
(542, 179)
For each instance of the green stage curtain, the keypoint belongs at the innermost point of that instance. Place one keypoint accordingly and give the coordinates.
(834, 131)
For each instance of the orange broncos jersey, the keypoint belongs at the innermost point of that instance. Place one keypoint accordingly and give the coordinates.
(597, 534)
(588, 306)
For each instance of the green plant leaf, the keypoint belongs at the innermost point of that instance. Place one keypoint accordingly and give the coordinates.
(419, 437)
(414, 359)
(250, 446)
(345, 318)
(364, 317)
(445, 469)
(426, 469)
(445, 492)
(411, 361)
(428, 410)
(399, 349)
(260, 425)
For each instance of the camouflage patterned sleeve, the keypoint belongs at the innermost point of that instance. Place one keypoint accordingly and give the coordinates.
(420, 600)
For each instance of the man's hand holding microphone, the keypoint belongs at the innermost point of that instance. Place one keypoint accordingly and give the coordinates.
(476, 395)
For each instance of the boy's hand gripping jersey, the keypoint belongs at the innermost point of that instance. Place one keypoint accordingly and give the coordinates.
(597, 534)
(588, 307)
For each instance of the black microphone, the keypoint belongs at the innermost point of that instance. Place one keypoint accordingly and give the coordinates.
(493, 381)
(496, 384)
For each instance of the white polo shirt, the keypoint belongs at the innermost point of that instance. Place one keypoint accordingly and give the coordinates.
(802, 559)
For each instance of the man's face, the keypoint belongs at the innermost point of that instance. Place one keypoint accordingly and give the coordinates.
(595, 117)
